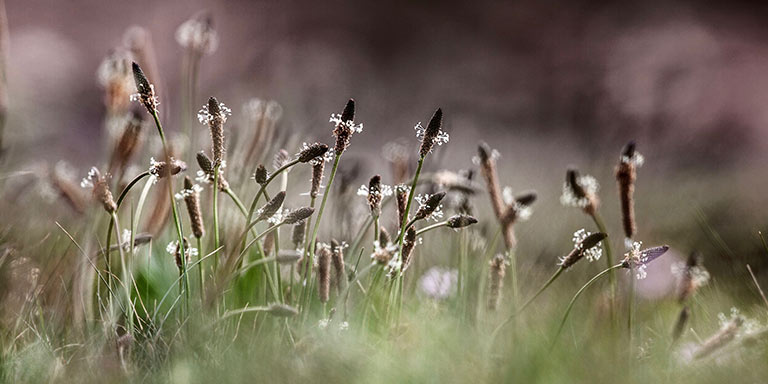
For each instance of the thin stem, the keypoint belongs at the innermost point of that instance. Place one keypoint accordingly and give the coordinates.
(608, 261)
(519, 311)
(200, 270)
(174, 210)
(576, 296)
(126, 275)
(401, 236)
(216, 238)
(262, 189)
(431, 227)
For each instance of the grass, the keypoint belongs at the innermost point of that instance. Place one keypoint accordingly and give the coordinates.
(249, 308)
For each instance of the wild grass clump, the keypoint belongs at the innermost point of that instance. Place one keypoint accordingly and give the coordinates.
(275, 269)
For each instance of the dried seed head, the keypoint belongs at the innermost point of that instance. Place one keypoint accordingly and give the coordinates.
(384, 237)
(401, 195)
(409, 243)
(682, 320)
(129, 142)
(692, 275)
(217, 116)
(585, 244)
(324, 255)
(527, 198)
(298, 215)
(431, 205)
(192, 201)
(725, 335)
(288, 256)
(337, 258)
(197, 34)
(312, 152)
(580, 191)
(282, 310)
(432, 135)
(374, 195)
(177, 253)
(461, 221)
(100, 189)
(261, 174)
(269, 243)
(160, 169)
(317, 178)
(638, 260)
(345, 127)
(271, 207)
(297, 235)
(206, 166)
(626, 174)
(146, 91)
(498, 267)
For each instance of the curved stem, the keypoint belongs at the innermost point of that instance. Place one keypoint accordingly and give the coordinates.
(130, 185)
(519, 311)
(576, 296)
(271, 177)
(431, 227)
(404, 226)
(216, 238)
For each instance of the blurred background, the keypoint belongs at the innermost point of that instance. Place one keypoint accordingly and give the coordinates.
(549, 84)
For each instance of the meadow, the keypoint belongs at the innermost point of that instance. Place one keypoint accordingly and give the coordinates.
(246, 252)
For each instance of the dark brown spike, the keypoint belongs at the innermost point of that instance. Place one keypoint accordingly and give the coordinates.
(312, 152)
(298, 215)
(349, 111)
(271, 207)
(432, 203)
(431, 132)
(460, 221)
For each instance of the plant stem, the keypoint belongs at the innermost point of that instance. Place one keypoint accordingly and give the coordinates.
(126, 280)
(576, 296)
(216, 238)
(200, 270)
(174, 209)
(401, 236)
(431, 227)
(608, 262)
(518, 311)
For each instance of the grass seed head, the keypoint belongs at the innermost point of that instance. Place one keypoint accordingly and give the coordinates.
(146, 91)
(298, 215)
(430, 206)
(582, 248)
(409, 243)
(192, 200)
(317, 178)
(324, 255)
(217, 117)
(374, 195)
(498, 268)
(431, 134)
(261, 174)
(626, 174)
(461, 221)
(271, 207)
(312, 152)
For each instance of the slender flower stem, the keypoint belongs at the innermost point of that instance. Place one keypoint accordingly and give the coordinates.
(262, 189)
(126, 279)
(216, 238)
(174, 209)
(608, 261)
(431, 227)
(311, 241)
(576, 296)
(631, 305)
(200, 270)
(401, 236)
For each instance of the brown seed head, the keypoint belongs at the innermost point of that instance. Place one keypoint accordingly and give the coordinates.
(317, 178)
(271, 207)
(216, 124)
(626, 174)
(324, 255)
(146, 91)
(192, 200)
(337, 258)
(432, 203)
(498, 267)
(161, 169)
(401, 195)
(177, 255)
(374, 195)
(578, 251)
(261, 174)
(461, 221)
(409, 243)
(430, 134)
(298, 215)
(343, 130)
(312, 152)
(101, 190)
(207, 167)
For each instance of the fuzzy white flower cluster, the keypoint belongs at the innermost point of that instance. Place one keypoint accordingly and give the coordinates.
(385, 191)
(336, 120)
(524, 212)
(699, 274)
(637, 159)
(188, 251)
(197, 34)
(437, 214)
(592, 254)
(327, 157)
(439, 283)
(154, 102)
(184, 193)
(204, 116)
(495, 156)
(590, 186)
(87, 181)
(441, 138)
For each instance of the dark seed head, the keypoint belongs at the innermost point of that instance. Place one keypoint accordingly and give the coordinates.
(572, 178)
(629, 150)
(460, 221)
(374, 195)
(578, 251)
(269, 209)
(298, 215)
(349, 111)
(526, 198)
(430, 134)
(312, 152)
(432, 203)
(261, 174)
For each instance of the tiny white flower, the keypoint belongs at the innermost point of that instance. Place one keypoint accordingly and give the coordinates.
(87, 181)
(437, 214)
(592, 254)
(441, 138)
(323, 323)
(343, 326)
(637, 159)
(204, 116)
(336, 120)
(590, 186)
